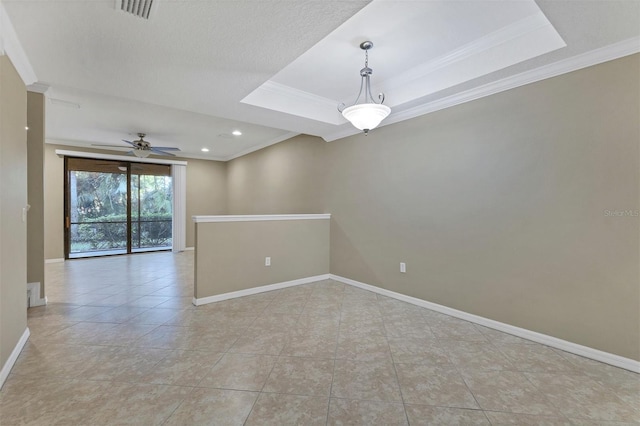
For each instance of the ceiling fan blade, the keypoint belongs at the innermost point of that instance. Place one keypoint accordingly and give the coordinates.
(160, 152)
(166, 148)
(129, 142)
(112, 146)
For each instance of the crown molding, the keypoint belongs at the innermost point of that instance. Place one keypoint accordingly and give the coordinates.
(293, 93)
(518, 29)
(10, 46)
(260, 146)
(38, 87)
(280, 97)
(345, 132)
(594, 57)
(182, 155)
(574, 63)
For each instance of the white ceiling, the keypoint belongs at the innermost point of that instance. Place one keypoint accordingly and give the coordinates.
(489, 36)
(197, 70)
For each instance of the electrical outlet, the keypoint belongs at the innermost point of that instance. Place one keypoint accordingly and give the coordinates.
(267, 261)
(403, 267)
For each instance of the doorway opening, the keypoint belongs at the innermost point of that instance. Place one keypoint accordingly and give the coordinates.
(116, 207)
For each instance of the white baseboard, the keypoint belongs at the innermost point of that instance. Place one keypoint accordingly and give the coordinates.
(33, 290)
(60, 260)
(554, 342)
(256, 290)
(189, 249)
(6, 368)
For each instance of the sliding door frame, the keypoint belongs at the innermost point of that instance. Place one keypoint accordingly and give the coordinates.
(178, 171)
(93, 165)
(66, 225)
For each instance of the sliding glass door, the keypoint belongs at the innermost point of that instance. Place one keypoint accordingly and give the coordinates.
(151, 204)
(115, 207)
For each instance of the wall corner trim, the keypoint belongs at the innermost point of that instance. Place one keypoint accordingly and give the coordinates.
(6, 368)
(554, 342)
(33, 292)
(38, 87)
(260, 289)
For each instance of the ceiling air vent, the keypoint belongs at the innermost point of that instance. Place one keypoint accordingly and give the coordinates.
(139, 8)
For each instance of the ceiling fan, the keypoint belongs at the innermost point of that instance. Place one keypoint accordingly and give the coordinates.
(142, 148)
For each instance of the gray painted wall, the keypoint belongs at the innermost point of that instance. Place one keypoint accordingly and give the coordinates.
(13, 197)
(35, 189)
(498, 206)
(297, 248)
(288, 177)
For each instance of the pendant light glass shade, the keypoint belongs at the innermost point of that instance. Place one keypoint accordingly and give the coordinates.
(366, 116)
(369, 114)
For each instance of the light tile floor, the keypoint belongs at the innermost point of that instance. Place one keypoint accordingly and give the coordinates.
(120, 342)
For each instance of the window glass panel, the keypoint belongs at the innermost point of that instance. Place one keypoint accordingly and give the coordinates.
(98, 236)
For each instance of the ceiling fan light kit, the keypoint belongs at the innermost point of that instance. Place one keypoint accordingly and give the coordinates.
(369, 114)
(141, 153)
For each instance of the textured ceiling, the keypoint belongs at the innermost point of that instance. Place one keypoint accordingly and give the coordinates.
(181, 76)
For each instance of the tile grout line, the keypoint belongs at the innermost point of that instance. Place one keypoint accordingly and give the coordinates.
(393, 364)
(335, 355)
(270, 371)
(115, 343)
(458, 371)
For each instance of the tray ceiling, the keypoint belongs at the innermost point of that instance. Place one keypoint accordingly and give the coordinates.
(196, 70)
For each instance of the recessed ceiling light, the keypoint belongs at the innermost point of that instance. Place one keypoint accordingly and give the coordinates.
(236, 133)
(26, 127)
(205, 150)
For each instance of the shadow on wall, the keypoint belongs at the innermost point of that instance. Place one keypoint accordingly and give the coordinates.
(345, 252)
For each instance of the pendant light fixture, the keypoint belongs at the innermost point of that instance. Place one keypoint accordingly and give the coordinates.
(369, 114)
